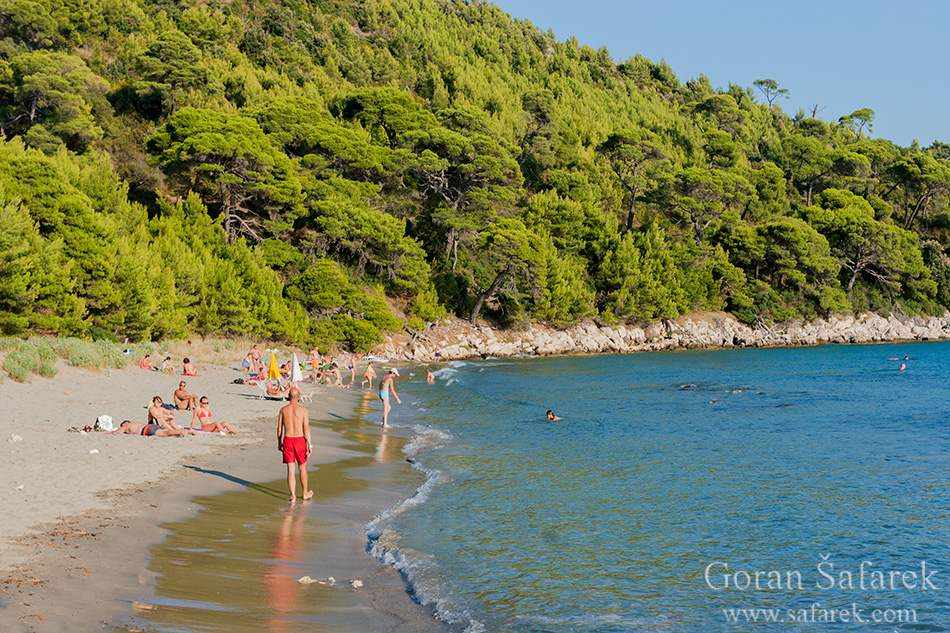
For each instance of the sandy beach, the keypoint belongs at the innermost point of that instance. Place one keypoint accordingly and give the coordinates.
(82, 509)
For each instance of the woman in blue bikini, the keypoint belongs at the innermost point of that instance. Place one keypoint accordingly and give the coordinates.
(386, 386)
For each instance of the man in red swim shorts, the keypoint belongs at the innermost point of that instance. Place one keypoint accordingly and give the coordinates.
(293, 440)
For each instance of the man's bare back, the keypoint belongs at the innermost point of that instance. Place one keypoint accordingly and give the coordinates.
(293, 428)
(294, 419)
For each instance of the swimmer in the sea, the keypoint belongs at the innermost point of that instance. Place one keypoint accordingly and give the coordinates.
(903, 366)
(430, 377)
(552, 417)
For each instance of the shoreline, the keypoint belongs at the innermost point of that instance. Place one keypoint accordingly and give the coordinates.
(84, 510)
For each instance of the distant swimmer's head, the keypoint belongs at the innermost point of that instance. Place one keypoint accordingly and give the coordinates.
(551, 415)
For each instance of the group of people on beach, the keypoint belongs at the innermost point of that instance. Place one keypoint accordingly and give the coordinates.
(161, 417)
(167, 366)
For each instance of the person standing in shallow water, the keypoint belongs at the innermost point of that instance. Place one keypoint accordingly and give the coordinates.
(293, 440)
(369, 375)
(386, 387)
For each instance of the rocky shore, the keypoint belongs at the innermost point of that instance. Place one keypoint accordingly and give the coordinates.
(458, 339)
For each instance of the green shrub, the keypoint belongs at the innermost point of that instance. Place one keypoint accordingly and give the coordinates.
(109, 354)
(359, 334)
(21, 363)
(47, 368)
(44, 352)
(8, 343)
(80, 353)
(95, 333)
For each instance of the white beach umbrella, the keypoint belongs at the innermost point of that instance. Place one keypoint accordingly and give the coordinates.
(295, 375)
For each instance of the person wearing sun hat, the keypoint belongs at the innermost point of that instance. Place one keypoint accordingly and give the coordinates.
(386, 386)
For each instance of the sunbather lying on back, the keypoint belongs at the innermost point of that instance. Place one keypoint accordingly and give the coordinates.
(138, 428)
(274, 390)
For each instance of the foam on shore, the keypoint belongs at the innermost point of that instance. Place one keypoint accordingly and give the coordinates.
(420, 570)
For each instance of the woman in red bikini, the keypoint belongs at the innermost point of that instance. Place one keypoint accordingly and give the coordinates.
(202, 415)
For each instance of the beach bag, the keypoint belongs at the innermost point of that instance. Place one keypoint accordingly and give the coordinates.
(104, 423)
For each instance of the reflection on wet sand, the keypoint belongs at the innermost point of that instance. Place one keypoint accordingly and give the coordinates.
(283, 592)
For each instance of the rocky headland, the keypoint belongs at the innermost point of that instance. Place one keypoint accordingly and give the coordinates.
(457, 339)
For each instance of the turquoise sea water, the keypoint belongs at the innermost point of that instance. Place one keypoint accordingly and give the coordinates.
(671, 480)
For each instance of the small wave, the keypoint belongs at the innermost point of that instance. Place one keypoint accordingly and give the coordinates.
(693, 386)
(420, 570)
(426, 438)
(599, 620)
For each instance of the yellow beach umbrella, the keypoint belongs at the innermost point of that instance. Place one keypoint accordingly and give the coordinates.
(273, 372)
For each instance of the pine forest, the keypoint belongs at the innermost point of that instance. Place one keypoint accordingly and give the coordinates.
(323, 172)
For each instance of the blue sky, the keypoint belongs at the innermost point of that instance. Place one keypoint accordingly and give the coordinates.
(844, 56)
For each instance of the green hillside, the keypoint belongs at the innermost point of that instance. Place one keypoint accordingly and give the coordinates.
(321, 172)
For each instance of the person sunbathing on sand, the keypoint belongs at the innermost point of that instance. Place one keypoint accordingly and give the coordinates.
(138, 428)
(275, 390)
(188, 369)
(146, 362)
(159, 415)
(202, 415)
(183, 399)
